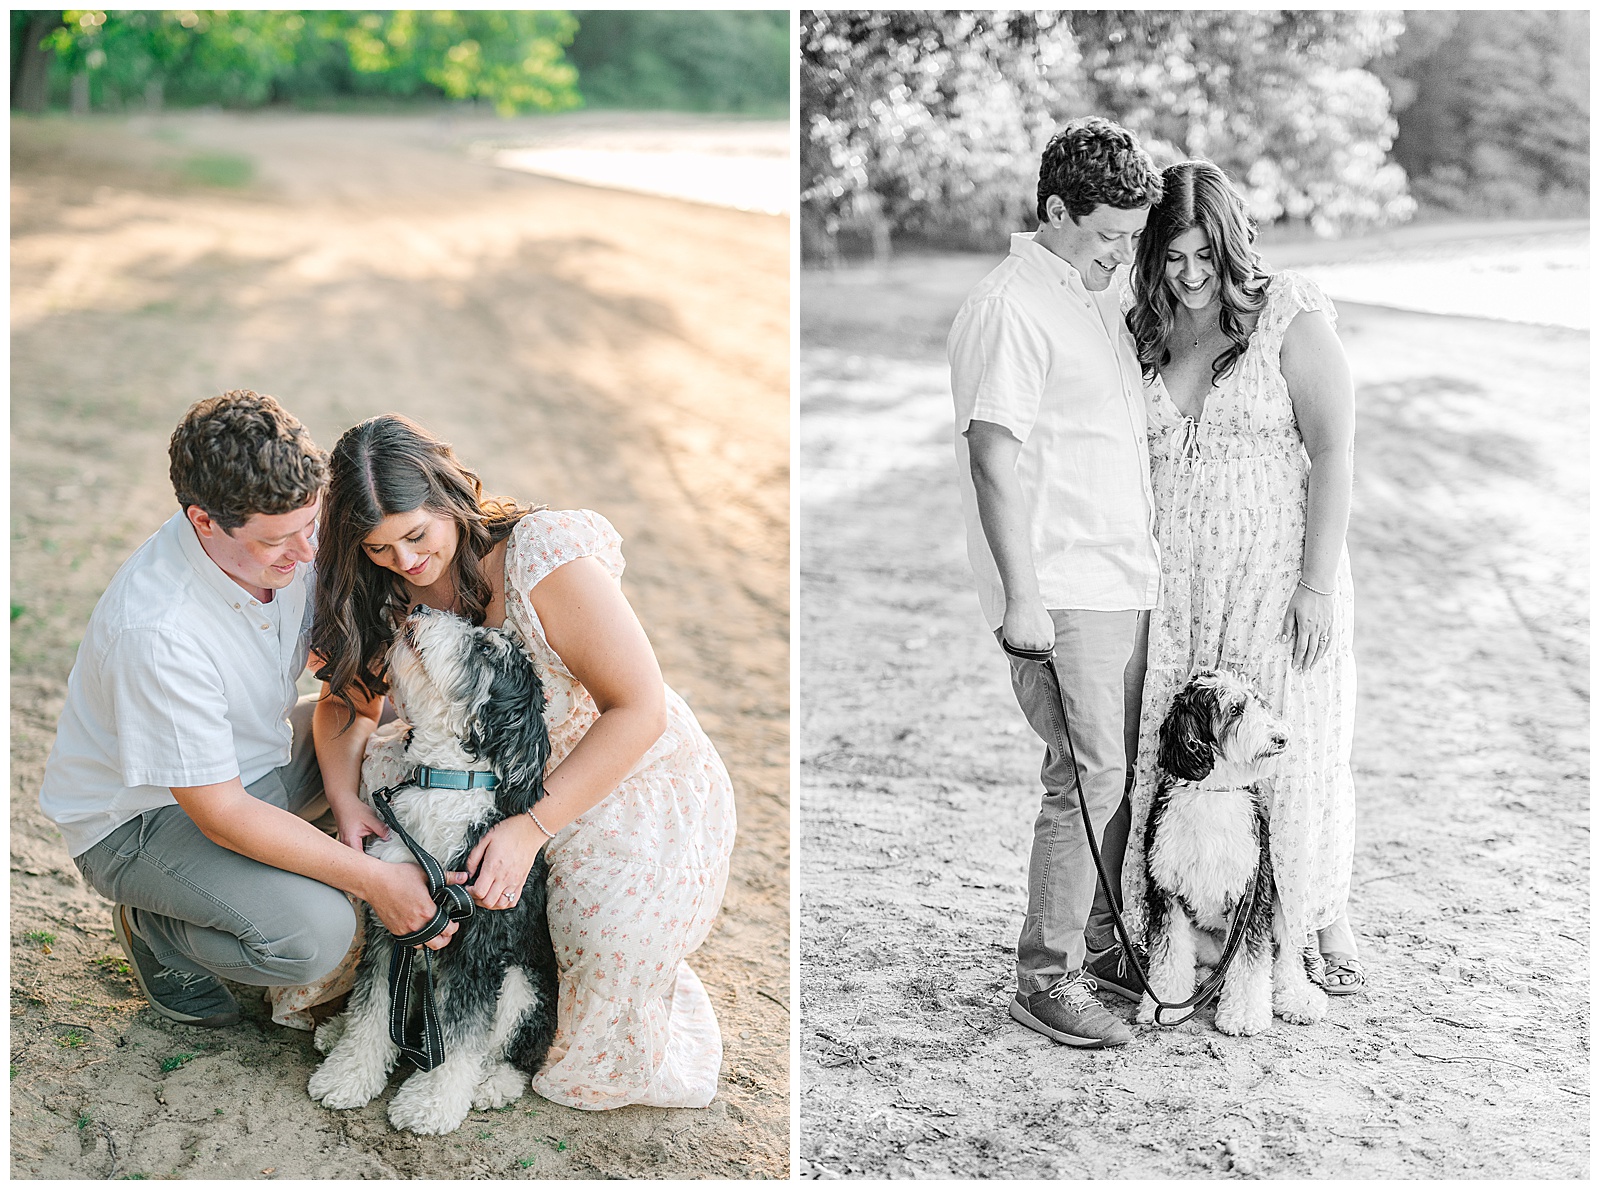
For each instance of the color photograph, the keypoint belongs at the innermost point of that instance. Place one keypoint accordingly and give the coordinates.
(400, 410)
(1192, 512)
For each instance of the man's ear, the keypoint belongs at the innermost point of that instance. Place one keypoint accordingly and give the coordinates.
(202, 522)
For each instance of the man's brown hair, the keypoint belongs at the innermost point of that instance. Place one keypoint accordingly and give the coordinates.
(241, 454)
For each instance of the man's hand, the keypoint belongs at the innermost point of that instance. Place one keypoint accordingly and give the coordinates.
(1028, 626)
(398, 894)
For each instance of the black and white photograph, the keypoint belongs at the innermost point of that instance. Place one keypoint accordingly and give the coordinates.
(1193, 644)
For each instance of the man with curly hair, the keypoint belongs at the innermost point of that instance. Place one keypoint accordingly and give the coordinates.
(1050, 438)
(183, 772)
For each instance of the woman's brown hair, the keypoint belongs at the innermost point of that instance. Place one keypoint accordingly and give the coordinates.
(383, 466)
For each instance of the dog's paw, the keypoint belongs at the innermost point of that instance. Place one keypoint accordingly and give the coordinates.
(344, 1084)
(504, 1084)
(328, 1033)
(424, 1112)
(1147, 1011)
(1242, 1020)
(1303, 1006)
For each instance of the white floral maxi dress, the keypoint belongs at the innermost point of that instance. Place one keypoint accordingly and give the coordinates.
(635, 883)
(1230, 495)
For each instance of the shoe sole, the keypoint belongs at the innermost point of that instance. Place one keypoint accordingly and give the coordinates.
(1023, 1017)
(124, 932)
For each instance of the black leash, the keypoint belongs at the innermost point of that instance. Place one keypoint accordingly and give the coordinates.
(424, 1048)
(1046, 659)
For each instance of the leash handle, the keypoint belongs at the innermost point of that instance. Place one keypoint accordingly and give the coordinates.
(1042, 656)
(426, 1050)
(455, 903)
(1046, 658)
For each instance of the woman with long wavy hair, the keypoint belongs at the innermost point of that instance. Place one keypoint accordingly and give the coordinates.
(1251, 423)
(639, 806)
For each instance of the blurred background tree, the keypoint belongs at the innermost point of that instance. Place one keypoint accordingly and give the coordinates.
(92, 60)
(928, 125)
(1493, 110)
(714, 61)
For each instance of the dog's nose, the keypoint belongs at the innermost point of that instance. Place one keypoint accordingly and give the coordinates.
(1280, 740)
(420, 610)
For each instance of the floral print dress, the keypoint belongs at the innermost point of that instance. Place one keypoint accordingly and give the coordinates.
(1230, 494)
(635, 882)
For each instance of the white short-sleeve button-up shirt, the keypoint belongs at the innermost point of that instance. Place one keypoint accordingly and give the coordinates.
(1034, 351)
(183, 678)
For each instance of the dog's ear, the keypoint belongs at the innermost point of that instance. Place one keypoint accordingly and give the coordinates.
(1186, 750)
(507, 726)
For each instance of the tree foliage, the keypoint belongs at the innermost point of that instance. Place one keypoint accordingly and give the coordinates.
(721, 60)
(240, 58)
(1493, 110)
(939, 117)
(1279, 99)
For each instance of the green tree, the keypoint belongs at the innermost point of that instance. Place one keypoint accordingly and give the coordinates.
(722, 61)
(513, 60)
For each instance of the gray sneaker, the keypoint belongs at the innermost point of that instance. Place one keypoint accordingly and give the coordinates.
(199, 1000)
(1068, 1012)
(1112, 971)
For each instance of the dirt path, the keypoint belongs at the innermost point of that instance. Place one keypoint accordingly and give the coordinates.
(1469, 1057)
(580, 347)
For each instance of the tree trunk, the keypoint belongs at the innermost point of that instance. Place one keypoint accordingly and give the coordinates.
(80, 93)
(30, 79)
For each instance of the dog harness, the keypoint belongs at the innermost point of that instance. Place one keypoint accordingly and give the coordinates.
(424, 1048)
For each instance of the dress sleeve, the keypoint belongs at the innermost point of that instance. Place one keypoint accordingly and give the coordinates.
(1291, 294)
(547, 539)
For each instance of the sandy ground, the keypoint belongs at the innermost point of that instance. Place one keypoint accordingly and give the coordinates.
(1468, 1057)
(580, 347)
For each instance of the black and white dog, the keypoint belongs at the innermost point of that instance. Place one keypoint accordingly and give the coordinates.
(474, 703)
(1205, 838)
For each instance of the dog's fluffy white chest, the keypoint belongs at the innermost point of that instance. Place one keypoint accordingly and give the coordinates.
(1205, 850)
(438, 819)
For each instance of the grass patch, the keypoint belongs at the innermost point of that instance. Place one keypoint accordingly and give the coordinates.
(73, 1040)
(83, 1120)
(228, 170)
(168, 1065)
(40, 938)
(16, 610)
(113, 963)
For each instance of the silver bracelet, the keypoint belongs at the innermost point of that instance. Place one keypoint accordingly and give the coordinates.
(1312, 589)
(548, 833)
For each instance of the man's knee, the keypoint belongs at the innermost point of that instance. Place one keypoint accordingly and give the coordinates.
(316, 943)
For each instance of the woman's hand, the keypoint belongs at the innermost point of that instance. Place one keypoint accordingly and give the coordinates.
(502, 860)
(1308, 626)
(356, 821)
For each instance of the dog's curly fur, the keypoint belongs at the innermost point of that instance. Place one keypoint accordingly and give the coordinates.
(474, 701)
(1206, 836)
